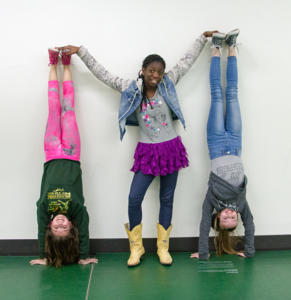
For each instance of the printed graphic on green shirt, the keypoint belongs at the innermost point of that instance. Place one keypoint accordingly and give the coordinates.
(58, 201)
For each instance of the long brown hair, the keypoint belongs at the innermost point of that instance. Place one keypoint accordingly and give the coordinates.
(224, 240)
(62, 250)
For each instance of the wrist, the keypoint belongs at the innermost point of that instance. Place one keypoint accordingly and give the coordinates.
(81, 51)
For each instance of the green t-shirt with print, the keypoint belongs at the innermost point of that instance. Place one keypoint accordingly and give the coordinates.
(62, 193)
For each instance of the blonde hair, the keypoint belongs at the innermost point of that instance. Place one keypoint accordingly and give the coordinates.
(224, 240)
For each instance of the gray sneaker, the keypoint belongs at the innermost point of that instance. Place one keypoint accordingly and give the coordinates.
(230, 38)
(217, 39)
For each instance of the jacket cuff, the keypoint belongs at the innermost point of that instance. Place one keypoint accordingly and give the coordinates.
(248, 254)
(84, 256)
(204, 256)
(82, 51)
(203, 38)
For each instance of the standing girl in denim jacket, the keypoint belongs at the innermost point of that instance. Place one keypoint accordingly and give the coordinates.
(227, 182)
(151, 103)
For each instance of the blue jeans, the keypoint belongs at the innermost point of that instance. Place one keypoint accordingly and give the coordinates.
(224, 132)
(139, 186)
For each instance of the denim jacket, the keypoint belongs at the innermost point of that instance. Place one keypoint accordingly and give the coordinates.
(131, 99)
(131, 90)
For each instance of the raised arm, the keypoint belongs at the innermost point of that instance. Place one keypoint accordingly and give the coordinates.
(247, 219)
(97, 69)
(188, 59)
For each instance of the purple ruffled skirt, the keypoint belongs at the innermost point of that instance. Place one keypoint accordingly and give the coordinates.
(160, 158)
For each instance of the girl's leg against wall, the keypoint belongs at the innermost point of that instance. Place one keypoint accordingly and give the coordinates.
(215, 124)
(139, 186)
(233, 116)
(70, 132)
(52, 139)
(167, 189)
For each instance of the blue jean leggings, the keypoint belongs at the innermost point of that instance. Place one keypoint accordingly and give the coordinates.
(139, 186)
(224, 131)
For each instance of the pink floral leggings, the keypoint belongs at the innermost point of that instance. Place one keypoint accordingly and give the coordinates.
(62, 139)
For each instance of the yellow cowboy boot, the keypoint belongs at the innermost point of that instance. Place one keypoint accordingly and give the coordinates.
(163, 245)
(135, 244)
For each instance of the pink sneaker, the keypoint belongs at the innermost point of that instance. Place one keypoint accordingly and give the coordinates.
(53, 56)
(66, 58)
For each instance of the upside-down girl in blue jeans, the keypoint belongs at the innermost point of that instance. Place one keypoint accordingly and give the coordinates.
(227, 182)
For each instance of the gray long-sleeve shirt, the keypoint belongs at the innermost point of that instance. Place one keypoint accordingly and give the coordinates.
(121, 84)
(221, 195)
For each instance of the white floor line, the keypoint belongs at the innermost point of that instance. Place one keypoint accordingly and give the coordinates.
(89, 282)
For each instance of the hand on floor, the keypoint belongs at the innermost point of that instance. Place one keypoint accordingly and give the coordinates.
(39, 261)
(88, 261)
(196, 255)
(241, 254)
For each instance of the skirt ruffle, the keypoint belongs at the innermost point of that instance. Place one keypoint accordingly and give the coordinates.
(160, 158)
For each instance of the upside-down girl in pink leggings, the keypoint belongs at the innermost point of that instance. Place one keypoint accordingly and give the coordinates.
(62, 218)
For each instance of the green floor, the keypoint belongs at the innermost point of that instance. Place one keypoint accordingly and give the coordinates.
(267, 276)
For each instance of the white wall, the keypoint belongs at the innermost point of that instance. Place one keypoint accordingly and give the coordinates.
(120, 34)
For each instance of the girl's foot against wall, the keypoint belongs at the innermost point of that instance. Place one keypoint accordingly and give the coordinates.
(53, 56)
(218, 39)
(231, 37)
(66, 58)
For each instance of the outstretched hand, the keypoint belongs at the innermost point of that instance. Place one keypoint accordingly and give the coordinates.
(88, 261)
(241, 254)
(194, 255)
(69, 49)
(209, 33)
(39, 261)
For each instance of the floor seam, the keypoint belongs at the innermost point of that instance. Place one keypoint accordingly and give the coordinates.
(89, 282)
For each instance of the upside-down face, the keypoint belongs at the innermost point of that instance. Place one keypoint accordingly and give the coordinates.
(228, 219)
(60, 225)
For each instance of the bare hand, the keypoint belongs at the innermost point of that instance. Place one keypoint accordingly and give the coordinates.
(209, 33)
(39, 261)
(69, 49)
(241, 254)
(88, 261)
(194, 255)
